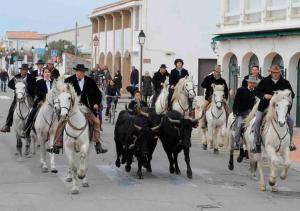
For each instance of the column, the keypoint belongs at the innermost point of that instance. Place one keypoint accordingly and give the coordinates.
(132, 26)
(98, 50)
(114, 42)
(105, 18)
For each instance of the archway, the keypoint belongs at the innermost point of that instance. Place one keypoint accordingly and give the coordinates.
(277, 60)
(117, 62)
(126, 70)
(233, 73)
(270, 59)
(109, 61)
(248, 61)
(102, 60)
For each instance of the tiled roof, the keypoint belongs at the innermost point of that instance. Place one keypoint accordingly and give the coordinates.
(28, 35)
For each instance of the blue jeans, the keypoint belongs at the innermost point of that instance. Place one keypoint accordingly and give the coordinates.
(3, 86)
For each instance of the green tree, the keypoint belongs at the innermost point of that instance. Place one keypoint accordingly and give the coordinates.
(60, 47)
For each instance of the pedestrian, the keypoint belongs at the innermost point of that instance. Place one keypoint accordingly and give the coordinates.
(111, 97)
(118, 81)
(146, 86)
(4, 78)
(134, 80)
(158, 80)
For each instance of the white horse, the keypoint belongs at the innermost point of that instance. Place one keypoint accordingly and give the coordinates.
(161, 104)
(276, 138)
(45, 127)
(21, 114)
(183, 91)
(76, 135)
(215, 115)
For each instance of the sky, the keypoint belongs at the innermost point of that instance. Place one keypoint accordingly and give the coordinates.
(45, 16)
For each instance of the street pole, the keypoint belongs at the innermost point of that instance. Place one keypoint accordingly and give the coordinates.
(141, 69)
(76, 35)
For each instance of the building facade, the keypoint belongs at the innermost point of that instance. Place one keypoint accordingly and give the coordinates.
(174, 29)
(260, 32)
(84, 38)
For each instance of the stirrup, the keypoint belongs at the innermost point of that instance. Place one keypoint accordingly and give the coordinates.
(293, 147)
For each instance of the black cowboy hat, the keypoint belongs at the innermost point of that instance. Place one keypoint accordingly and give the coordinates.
(40, 61)
(24, 67)
(80, 67)
(163, 66)
(179, 60)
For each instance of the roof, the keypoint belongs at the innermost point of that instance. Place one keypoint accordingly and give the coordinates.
(260, 34)
(27, 35)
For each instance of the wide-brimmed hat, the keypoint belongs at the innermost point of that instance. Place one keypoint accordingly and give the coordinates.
(163, 66)
(40, 61)
(252, 79)
(24, 67)
(80, 67)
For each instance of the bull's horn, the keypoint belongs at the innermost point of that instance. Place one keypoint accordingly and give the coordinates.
(131, 146)
(158, 126)
(174, 120)
(137, 127)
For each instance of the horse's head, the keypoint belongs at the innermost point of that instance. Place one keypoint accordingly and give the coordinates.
(20, 86)
(188, 87)
(218, 95)
(66, 101)
(281, 101)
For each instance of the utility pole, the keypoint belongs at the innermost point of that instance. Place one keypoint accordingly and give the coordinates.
(76, 36)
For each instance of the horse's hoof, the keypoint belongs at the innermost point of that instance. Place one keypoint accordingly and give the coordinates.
(45, 170)
(271, 183)
(216, 151)
(221, 145)
(118, 163)
(177, 171)
(172, 170)
(75, 191)
(230, 166)
(54, 171)
(20, 159)
(274, 189)
(140, 175)
(81, 177)
(127, 168)
(149, 169)
(263, 188)
(189, 174)
(69, 179)
(204, 146)
(283, 177)
(254, 177)
(85, 184)
(239, 159)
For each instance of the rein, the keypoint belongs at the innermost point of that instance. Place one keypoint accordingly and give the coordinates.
(19, 114)
(75, 128)
(211, 111)
(278, 135)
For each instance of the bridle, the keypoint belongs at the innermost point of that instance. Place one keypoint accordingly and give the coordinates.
(215, 102)
(23, 101)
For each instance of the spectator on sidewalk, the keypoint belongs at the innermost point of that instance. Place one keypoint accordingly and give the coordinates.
(4, 78)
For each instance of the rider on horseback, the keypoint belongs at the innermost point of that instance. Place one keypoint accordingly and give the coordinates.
(243, 104)
(30, 81)
(91, 98)
(265, 91)
(158, 81)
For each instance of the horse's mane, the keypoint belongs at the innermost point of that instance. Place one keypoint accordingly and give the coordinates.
(179, 87)
(252, 114)
(279, 95)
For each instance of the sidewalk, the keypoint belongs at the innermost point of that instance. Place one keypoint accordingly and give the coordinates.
(295, 156)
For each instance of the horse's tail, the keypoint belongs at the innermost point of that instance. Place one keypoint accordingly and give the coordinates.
(252, 114)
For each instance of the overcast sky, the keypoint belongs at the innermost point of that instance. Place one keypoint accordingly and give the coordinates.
(45, 16)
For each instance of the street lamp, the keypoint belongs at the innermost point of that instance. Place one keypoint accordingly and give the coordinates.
(142, 39)
(32, 51)
(96, 44)
(46, 47)
(214, 46)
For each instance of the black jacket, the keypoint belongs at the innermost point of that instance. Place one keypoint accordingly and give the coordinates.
(157, 79)
(4, 76)
(55, 74)
(111, 90)
(243, 101)
(90, 95)
(30, 80)
(35, 73)
(267, 86)
(41, 91)
(245, 82)
(134, 77)
(133, 106)
(118, 80)
(208, 81)
(147, 86)
(175, 77)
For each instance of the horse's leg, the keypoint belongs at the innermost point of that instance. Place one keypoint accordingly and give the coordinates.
(27, 147)
(273, 166)
(287, 164)
(140, 164)
(69, 153)
(177, 170)
(43, 156)
(261, 172)
(19, 148)
(203, 136)
(215, 140)
(83, 160)
(209, 135)
(189, 172)
(152, 148)
(52, 155)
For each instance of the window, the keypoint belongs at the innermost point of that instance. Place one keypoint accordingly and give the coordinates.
(278, 3)
(254, 4)
(234, 6)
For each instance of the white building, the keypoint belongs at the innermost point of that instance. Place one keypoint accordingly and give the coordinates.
(84, 37)
(261, 32)
(173, 28)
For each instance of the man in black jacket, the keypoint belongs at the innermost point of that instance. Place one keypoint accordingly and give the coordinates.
(134, 77)
(158, 80)
(265, 91)
(30, 81)
(54, 72)
(243, 104)
(39, 72)
(255, 73)
(176, 74)
(90, 96)
(118, 81)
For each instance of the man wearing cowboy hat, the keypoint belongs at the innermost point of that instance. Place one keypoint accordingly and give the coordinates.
(39, 72)
(54, 72)
(264, 92)
(30, 85)
(158, 81)
(243, 104)
(90, 96)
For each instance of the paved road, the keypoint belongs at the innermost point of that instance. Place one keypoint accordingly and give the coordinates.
(23, 187)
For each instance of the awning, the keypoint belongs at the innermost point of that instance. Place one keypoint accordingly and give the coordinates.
(260, 34)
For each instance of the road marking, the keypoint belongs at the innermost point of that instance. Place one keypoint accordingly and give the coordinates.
(119, 176)
(3, 97)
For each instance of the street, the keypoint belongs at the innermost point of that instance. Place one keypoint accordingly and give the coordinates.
(24, 187)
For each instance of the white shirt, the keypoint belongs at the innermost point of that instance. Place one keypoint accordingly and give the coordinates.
(48, 83)
(81, 83)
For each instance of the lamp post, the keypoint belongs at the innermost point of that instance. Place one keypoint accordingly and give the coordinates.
(142, 39)
(214, 46)
(32, 53)
(96, 44)
(22, 54)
